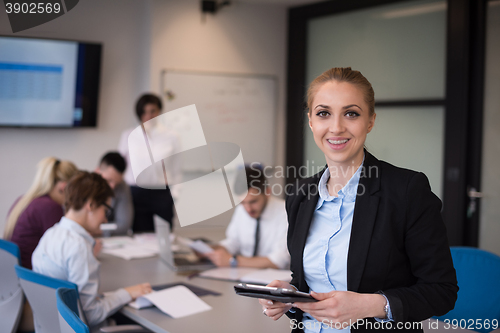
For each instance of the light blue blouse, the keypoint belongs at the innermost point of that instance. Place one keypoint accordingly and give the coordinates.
(325, 252)
(326, 249)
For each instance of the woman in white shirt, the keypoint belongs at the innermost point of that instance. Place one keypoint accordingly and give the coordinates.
(66, 250)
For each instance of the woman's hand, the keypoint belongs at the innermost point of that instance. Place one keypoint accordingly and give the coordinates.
(274, 309)
(139, 290)
(340, 309)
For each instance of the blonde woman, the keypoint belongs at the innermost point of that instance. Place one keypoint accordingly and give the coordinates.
(366, 238)
(40, 208)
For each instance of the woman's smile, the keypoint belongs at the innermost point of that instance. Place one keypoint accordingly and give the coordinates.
(340, 120)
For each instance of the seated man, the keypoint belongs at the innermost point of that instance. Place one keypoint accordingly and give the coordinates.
(256, 235)
(111, 168)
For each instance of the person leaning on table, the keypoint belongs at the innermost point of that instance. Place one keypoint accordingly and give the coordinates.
(66, 250)
(256, 235)
(366, 238)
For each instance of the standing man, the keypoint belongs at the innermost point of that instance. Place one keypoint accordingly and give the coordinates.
(256, 235)
(111, 168)
(151, 196)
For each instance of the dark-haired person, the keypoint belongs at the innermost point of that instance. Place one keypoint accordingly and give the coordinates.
(66, 250)
(111, 168)
(256, 235)
(149, 198)
(366, 238)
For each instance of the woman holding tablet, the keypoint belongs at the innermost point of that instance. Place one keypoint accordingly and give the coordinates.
(366, 238)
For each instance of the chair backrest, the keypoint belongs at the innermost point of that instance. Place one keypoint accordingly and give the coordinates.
(41, 293)
(478, 275)
(67, 306)
(11, 294)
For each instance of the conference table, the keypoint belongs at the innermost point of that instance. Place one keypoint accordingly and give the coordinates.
(229, 313)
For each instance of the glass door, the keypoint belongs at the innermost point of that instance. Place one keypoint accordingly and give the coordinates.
(401, 49)
(489, 230)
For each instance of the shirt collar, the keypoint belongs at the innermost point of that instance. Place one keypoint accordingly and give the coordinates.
(73, 226)
(348, 192)
(266, 212)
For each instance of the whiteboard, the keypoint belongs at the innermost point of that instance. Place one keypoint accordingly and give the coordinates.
(233, 108)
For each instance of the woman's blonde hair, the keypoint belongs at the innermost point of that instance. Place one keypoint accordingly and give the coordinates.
(343, 74)
(49, 171)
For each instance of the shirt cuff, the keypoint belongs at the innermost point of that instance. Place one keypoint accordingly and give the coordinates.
(229, 246)
(121, 294)
(280, 258)
(389, 312)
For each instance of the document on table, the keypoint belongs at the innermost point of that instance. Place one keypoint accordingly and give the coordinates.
(265, 276)
(130, 248)
(108, 226)
(177, 302)
(198, 245)
(116, 242)
(243, 274)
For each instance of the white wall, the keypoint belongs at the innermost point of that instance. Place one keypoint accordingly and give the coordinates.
(140, 38)
(241, 38)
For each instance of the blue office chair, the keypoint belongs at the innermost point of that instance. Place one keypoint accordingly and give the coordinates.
(11, 294)
(478, 275)
(41, 293)
(67, 306)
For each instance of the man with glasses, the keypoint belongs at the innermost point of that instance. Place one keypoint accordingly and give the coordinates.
(111, 168)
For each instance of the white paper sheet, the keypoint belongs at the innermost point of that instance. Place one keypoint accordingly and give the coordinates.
(141, 303)
(201, 246)
(227, 273)
(131, 252)
(108, 226)
(250, 275)
(141, 246)
(177, 302)
(116, 242)
(265, 276)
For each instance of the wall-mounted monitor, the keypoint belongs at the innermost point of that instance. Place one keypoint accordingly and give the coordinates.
(48, 83)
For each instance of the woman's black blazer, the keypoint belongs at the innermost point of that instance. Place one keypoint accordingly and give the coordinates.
(398, 241)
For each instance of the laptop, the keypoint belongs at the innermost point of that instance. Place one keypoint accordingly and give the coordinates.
(162, 230)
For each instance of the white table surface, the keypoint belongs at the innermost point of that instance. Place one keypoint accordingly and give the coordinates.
(230, 312)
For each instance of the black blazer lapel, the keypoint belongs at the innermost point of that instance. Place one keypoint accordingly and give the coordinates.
(365, 213)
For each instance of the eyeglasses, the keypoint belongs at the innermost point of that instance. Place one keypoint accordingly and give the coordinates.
(110, 212)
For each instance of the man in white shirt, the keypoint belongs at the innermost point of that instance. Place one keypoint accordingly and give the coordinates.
(256, 235)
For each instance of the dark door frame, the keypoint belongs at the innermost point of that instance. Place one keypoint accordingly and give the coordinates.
(463, 103)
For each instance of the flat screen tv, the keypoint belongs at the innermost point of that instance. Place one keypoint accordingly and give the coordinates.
(48, 83)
